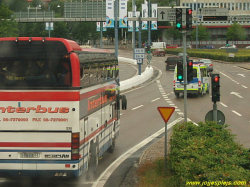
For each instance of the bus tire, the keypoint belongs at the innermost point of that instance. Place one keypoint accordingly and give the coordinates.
(93, 156)
(177, 95)
(112, 146)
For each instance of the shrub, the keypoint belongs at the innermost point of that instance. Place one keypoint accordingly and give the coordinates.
(207, 152)
(243, 55)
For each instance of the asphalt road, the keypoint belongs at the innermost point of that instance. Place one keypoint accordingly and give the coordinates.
(141, 119)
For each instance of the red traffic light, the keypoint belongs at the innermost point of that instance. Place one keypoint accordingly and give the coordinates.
(190, 63)
(216, 78)
(190, 11)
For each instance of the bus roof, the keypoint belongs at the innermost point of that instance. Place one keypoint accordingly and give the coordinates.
(69, 44)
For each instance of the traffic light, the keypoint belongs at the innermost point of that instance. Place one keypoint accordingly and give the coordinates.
(215, 87)
(148, 49)
(178, 14)
(189, 70)
(189, 19)
(179, 71)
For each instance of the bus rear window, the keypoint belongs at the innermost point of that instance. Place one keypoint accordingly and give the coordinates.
(34, 64)
(35, 73)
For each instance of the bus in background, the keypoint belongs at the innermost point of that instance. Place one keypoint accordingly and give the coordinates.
(59, 106)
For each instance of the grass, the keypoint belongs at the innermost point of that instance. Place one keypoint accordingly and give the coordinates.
(153, 175)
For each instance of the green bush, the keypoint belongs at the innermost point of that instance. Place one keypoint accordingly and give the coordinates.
(243, 55)
(207, 152)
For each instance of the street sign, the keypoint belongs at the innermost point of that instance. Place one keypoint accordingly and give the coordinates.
(220, 117)
(214, 10)
(149, 57)
(139, 61)
(166, 14)
(215, 18)
(241, 18)
(232, 50)
(139, 53)
(166, 112)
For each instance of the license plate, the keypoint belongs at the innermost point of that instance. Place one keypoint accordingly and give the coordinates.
(29, 155)
(180, 86)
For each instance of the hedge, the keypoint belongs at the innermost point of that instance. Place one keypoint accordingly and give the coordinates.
(207, 152)
(243, 55)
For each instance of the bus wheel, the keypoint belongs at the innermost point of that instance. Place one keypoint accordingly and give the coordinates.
(112, 146)
(177, 95)
(93, 156)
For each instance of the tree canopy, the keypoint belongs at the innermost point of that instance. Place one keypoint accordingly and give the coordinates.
(236, 32)
(8, 27)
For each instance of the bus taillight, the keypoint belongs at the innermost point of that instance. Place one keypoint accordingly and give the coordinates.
(75, 145)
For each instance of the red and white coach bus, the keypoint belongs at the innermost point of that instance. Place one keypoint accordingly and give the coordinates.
(59, 106)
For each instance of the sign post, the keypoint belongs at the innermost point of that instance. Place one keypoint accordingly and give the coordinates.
(139, 55)
(166, 113)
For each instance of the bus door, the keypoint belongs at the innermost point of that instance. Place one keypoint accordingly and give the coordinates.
(85, 145)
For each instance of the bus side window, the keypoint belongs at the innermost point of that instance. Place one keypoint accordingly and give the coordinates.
(104, 72)
(110, 72)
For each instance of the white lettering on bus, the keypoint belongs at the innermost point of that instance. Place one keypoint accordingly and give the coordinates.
(37, 109)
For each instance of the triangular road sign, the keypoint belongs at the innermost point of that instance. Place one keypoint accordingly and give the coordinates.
(166, 112)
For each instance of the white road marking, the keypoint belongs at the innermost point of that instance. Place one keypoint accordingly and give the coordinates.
(243, 86)
(155, 99)
(223, 104)
(100, 182)
(237, 94)
(243, 75)
(236, 113)
(137, 107)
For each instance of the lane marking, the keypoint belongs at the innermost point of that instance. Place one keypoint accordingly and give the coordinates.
(243, 86)
(100, 182)
(155, 99)
(137, 107)
(223, 104)
(236, 113)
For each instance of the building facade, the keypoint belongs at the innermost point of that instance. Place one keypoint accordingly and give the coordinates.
(218, 29)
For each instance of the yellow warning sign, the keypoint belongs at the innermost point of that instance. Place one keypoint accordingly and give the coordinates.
(166, 112)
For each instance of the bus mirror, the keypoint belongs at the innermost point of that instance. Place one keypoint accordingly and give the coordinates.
(124, 102)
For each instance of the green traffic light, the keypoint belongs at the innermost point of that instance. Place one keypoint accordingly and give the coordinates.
(179, 77)
(178, 25)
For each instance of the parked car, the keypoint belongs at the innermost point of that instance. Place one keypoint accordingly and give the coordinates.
(228, 46)
(207, 63)
(159, 52)
(171, 61)
(207, 47)
(247, 47)
(188, 46)
(172, 46)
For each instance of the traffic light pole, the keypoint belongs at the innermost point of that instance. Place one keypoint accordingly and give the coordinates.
(215, 112)
(185, 75)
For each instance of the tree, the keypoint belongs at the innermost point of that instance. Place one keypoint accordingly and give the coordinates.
(172, 33)
(236, 32)
(8, 26)
(202, 34)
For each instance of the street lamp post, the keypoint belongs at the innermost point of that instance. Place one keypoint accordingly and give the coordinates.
(196, 24)
(58, 6)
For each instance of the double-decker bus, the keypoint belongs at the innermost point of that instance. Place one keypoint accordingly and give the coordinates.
(59, 106)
